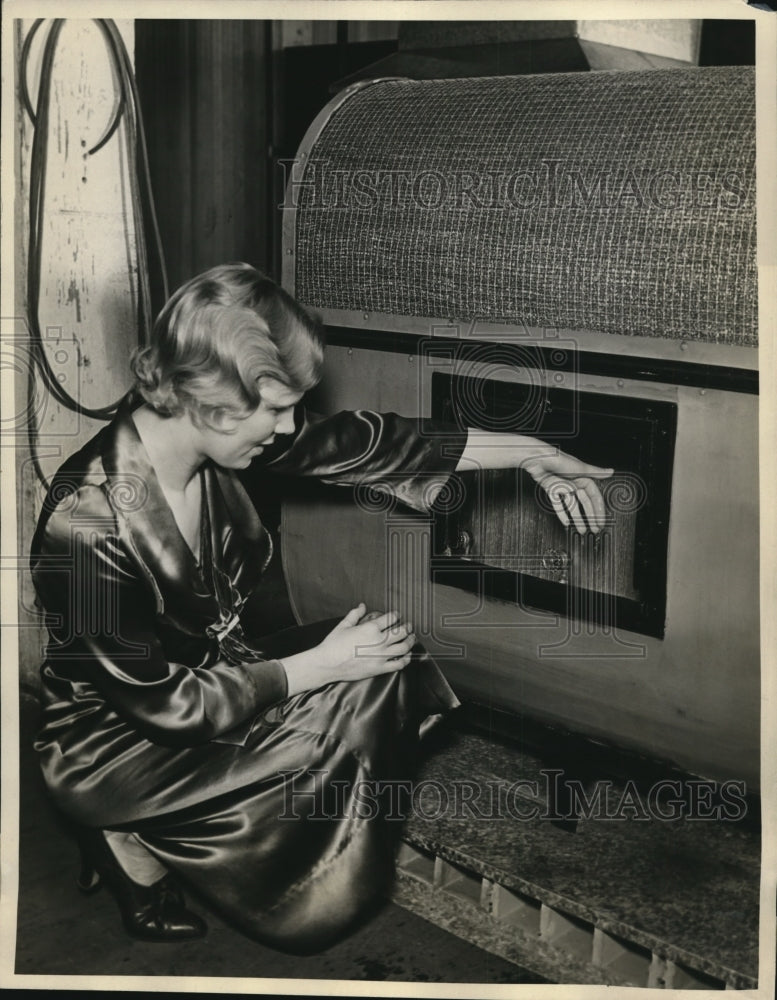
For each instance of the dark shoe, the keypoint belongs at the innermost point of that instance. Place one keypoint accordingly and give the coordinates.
(150, 912)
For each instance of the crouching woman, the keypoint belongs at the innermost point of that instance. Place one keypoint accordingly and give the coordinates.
(180, 744)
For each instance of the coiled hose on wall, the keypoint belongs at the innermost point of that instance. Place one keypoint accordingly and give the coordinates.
(128, 111)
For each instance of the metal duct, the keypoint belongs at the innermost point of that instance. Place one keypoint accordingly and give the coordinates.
(621, 203)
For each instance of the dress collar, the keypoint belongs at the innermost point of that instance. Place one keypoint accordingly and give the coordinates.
(138, 498)
(239, 544)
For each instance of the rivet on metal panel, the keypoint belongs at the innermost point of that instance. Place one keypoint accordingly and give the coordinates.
(683, 345)
(289, 252)
(410, 358)
(702, 392)
(350, 351)
(366, 315)
(620, 383)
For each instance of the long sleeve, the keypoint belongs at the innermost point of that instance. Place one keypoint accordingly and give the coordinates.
(104, 630)
(410, 459)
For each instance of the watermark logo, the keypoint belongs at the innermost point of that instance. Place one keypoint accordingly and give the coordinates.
(314, 795)
(548, 183)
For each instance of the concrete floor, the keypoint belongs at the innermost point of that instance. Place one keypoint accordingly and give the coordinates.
(61, 932)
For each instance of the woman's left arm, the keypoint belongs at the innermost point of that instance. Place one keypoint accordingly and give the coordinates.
(412, 459)
(405, 457)
(571, 485)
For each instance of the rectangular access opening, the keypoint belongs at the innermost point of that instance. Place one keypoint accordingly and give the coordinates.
(498, 535)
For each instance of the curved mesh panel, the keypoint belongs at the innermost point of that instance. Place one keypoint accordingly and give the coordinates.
(617, 202)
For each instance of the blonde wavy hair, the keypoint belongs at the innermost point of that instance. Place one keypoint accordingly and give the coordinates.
(217, 337)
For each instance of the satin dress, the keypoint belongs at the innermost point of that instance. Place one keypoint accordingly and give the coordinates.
(165, 716)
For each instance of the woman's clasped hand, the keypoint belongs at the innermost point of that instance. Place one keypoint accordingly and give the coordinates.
(361, 645)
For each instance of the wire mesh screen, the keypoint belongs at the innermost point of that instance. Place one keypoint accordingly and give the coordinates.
(617, 202)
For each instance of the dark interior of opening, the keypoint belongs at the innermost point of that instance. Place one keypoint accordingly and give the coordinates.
(499, 535)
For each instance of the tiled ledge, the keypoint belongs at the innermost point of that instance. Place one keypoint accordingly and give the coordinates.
(643, 903)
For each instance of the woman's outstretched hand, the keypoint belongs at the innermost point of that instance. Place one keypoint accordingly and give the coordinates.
(360, 645)
(569, 483)
(571, 488)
